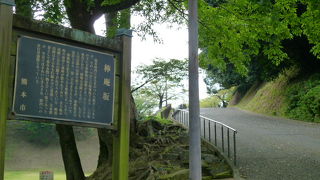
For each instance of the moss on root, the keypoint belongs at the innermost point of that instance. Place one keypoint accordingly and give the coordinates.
(160, 151)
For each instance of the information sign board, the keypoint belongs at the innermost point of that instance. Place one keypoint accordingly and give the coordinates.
(63, 82)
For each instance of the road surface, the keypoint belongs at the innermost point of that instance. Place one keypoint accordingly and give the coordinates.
(270, 148)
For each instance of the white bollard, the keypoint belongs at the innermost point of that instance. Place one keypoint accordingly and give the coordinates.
(46, 175)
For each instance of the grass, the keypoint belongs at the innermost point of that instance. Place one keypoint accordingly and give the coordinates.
(291, 95)
(209, 102)
(269, 98)
(30, 175)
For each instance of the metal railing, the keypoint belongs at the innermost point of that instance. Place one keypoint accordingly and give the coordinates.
(214, 132)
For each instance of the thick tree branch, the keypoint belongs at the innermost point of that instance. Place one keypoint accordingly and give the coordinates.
(146, 82)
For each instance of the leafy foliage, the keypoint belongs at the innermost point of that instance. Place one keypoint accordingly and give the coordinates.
(145, 105)
(161, 80)
(235, 31)
(158, 119)
(52, 11)
(218, 98)
(304, 100)
(259, 70)
(158, 11)
(210, 102)
(172, 70)
(42, 134)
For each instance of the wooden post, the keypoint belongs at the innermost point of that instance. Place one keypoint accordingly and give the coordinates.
(120, 162)
(194, 115)
(5, 43)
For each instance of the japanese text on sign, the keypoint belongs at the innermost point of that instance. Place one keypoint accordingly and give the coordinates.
(57, 81)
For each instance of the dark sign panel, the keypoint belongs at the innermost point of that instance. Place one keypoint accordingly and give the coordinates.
(62, 82)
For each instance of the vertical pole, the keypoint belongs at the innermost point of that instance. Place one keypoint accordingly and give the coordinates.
(5, 43)
(234, 148)
(222, 138)
(194, 121)
(209, 132)
(215, 133)
(184, 119)
(120, 164)
(228, 143)
(204, 128)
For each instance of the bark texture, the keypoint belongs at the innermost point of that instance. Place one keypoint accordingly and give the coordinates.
(70, 153)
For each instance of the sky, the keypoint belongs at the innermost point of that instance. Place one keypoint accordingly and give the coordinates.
(174, 46)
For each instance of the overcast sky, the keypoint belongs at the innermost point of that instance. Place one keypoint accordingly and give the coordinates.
(174, 46)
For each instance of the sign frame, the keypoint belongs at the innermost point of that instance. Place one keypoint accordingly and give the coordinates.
(16, 116)
(15, 26)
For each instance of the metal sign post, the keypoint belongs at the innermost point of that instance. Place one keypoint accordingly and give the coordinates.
(5, 43)
(194, 115)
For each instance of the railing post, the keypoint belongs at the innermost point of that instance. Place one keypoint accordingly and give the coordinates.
(183, 118)
(222, 138)
(215, 133)
(181, 121)
(187, 120)
(234, 148)
(204, 128)
(209, 131)
(228, 143)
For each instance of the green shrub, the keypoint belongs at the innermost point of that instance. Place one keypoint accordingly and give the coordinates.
(304, 100)
(44, 134)
(40, 133)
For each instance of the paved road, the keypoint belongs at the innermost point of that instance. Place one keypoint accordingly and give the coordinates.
(272, 148)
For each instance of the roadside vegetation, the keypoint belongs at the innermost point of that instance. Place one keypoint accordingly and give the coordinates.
(269, 51)
(290, 95)
(217, 98)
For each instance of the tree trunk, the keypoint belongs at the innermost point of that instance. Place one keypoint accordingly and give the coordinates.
(80, 19)
(166, 90)
(160, 101)
(80, 16)
(105, 141)
(70, 153)
(133, 117)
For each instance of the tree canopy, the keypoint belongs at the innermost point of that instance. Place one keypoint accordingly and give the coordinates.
(161, 80)
(237, 30)
(248, 41)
